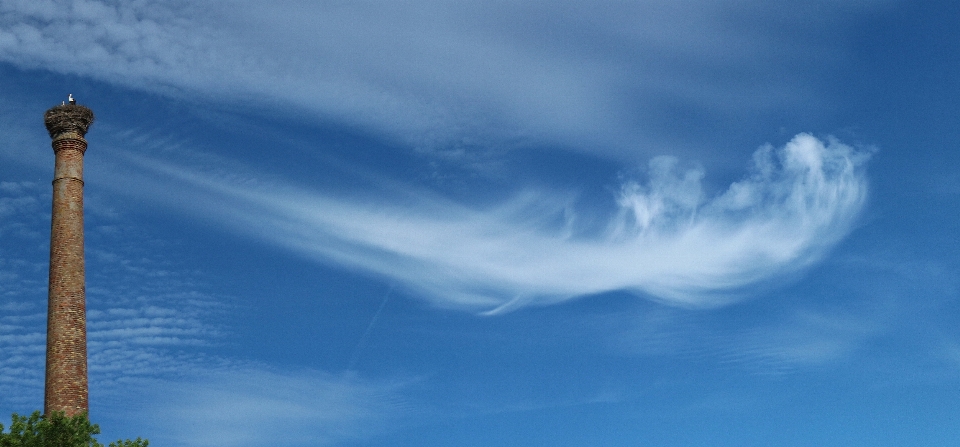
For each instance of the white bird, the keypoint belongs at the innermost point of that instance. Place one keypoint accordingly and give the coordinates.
(70, 98)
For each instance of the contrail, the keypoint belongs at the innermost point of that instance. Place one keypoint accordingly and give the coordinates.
(366, 333)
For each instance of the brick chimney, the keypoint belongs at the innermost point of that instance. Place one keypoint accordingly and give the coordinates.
(66, 375)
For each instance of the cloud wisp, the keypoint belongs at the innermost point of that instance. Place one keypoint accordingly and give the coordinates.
(145, 319)
(666, 240)
(435, 72)
(22, 293)
(251, 405)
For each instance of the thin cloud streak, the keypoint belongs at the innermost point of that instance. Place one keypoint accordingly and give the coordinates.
(143, 321)
(437, 73)
(666, 241)
(251, 405)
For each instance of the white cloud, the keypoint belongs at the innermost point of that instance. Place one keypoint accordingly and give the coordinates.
(151, 328)
(144, 318)
(591, 75)
(667, 240)
(802, 340)
(23, 291)
(253, 406)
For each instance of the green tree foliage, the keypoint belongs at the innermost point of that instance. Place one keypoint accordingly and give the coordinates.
(56, 430)
(128, 443)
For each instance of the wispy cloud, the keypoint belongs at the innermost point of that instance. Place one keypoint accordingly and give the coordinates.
(23, 291)
(793, 334)
(440, 73)
(667, 239)
(145, 317)
(804, 339)
(255, 406)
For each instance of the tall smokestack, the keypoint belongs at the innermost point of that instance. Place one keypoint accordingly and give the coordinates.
(66, 375)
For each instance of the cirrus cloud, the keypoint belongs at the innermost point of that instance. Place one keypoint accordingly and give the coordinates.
(437, 73)
(666, 240)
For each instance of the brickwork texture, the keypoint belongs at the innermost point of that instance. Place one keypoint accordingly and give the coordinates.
(66, 370)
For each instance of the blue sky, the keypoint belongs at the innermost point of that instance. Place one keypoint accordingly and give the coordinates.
(671, 223)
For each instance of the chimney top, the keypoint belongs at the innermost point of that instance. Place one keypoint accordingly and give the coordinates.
(68, 118)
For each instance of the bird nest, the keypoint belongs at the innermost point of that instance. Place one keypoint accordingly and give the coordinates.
(68, 118)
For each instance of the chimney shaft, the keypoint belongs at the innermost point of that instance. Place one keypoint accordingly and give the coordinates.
(66, 372)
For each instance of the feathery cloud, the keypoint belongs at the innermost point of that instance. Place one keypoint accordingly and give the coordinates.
(667, 240)
(254, 406)
(435, 72)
